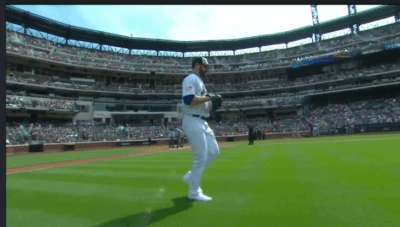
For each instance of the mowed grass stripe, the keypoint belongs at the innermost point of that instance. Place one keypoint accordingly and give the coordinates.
(340, 198)
(94, 208)
(104, 178)
(250, 185)
(336, 202)
(133, 192)
(231, 197)
(124, 207)
(279, 193)
(32, 160)
(380, 187)
(37, 218)
(114, 196)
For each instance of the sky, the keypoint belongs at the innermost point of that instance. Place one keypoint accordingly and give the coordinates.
(189, 23)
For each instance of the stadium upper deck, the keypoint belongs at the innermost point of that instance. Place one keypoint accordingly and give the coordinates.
(67, 32)
(64, 52)
(43, 49)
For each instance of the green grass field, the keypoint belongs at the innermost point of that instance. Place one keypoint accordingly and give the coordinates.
(39, 159)
(341, 181)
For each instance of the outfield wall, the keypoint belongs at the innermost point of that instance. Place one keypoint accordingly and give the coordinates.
(56, 147)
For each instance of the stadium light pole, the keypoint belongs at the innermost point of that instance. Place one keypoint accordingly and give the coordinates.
(352, 11)
(315, 20)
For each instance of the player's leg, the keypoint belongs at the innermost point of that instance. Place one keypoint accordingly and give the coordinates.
(212, 151)
(212, 148)
(196, 134)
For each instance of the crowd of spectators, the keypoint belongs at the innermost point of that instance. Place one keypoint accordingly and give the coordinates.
(328, 116)
(288, 101)
(241, 126)
(239, 104)
(82, 132)
(130, 88)
(27, 45)
(293, 100)
(23, 101)
(377, 111)
(373, 111)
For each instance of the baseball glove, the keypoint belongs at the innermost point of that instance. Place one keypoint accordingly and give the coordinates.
(216, 101)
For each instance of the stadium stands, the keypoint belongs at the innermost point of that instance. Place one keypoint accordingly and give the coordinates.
(44, 49)
(277, 93)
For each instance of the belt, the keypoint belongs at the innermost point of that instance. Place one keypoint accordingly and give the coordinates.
(201, 117)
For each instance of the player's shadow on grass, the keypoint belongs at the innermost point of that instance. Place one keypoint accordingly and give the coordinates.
(145, 218)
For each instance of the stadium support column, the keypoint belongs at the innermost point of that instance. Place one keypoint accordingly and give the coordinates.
(68, 35)
(208, 53)
(315, 20)
(158, 53)
(130, 52)
(101, 41)
(352, 11)
(25, 21)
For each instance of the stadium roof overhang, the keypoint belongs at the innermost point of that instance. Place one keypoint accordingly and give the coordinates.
(30, 20)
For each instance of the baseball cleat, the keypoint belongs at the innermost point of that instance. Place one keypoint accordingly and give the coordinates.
(200, 198)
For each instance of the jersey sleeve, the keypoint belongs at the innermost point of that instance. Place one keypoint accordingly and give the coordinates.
(188, 87)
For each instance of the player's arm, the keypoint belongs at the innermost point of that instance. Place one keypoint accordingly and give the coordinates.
(189, 96)
(193, 100)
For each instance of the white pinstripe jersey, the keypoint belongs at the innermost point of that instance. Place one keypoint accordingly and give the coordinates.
(193, 85)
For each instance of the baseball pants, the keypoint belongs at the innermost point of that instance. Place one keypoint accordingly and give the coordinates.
(204, 146)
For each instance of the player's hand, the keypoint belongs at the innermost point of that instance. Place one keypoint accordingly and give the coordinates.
(216, 101)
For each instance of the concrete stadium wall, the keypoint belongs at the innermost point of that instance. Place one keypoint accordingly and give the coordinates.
(84, 116)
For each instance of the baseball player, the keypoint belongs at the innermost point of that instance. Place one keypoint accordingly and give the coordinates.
(181, 138)
(171, 142)
(251, 139)
(315, 128)
(178, 135)
(196, 109)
